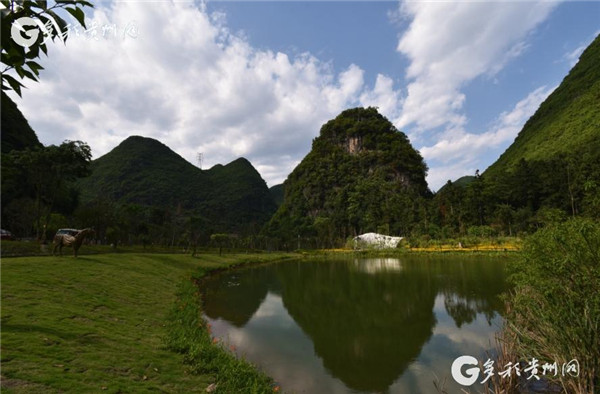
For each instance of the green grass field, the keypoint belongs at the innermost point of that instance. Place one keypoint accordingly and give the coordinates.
(113, 323)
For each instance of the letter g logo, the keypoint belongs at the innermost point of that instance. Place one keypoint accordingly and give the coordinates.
(471, 374)
(27, 38)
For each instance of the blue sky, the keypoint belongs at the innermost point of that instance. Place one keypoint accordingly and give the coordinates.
(258, 79)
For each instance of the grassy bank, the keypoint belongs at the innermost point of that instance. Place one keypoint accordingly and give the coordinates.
(114, 323)
(420, 245)
(33, 248)
(463, 245)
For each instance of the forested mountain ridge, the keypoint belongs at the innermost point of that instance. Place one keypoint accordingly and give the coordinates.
(565, 123)
(145, 172)
(554, 162)
(16, 132)
(361, 175)
(239, 198)
(549, 173)
(277, 193)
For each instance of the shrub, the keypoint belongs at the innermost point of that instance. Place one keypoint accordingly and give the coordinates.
(555, 306)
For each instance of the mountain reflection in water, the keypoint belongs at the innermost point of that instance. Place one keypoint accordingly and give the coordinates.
(369, 325)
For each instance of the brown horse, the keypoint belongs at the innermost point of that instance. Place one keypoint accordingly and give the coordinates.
(75, 241)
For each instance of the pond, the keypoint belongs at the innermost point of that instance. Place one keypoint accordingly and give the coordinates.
(359, 325)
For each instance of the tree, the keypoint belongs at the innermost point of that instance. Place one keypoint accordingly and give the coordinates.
(505, 215)
(196, 228)
(46, 172)
(220, 240)
(26, 27)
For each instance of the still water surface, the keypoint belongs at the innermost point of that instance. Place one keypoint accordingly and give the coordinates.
(359, 325)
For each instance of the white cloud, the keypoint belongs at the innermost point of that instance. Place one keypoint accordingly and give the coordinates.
(449, 44)
(573, 56)
(189, 82)
(458, 151)
(383, 96)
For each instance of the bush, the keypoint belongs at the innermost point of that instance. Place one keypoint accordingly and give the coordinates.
(481, 231)
(555, 312)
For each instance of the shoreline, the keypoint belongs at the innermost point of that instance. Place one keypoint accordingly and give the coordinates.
(105, 323)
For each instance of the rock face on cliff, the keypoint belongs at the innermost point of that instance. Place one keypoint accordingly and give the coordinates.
(361, 175)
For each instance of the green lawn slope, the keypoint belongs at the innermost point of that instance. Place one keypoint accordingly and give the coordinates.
(114, 323)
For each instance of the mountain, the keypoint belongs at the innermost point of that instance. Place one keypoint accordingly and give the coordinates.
(16, 132)
(566, 123)
(361, 175)
(554, 163)
(461, 182)
(277, 193)
(464, 181)
(239, 196)
(145, 172)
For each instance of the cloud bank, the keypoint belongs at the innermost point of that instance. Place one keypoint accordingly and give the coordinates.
(450, 44)
(186, 80)
(175, 72)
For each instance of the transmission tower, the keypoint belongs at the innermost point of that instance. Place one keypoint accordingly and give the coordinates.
(200, 158)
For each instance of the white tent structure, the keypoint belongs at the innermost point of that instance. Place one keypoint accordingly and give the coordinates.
(376, 241)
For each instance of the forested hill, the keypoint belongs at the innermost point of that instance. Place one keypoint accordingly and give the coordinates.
(566, 124)
(145, 172)
(549, 173)
(361, 175)
(239, 198)
(277, 193)
(554, 163)
(16, 132)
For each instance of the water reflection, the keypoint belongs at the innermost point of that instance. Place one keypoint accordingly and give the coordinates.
(372, 266)
(366, 329)
(369, 325)
(236, 297)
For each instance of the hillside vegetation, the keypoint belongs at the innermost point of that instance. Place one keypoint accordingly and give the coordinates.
(143, 192)
(277, 193)
(566, 123)
(16, 132)
(146, 172)
(549, 173)
(361, 175)
(554, 162)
